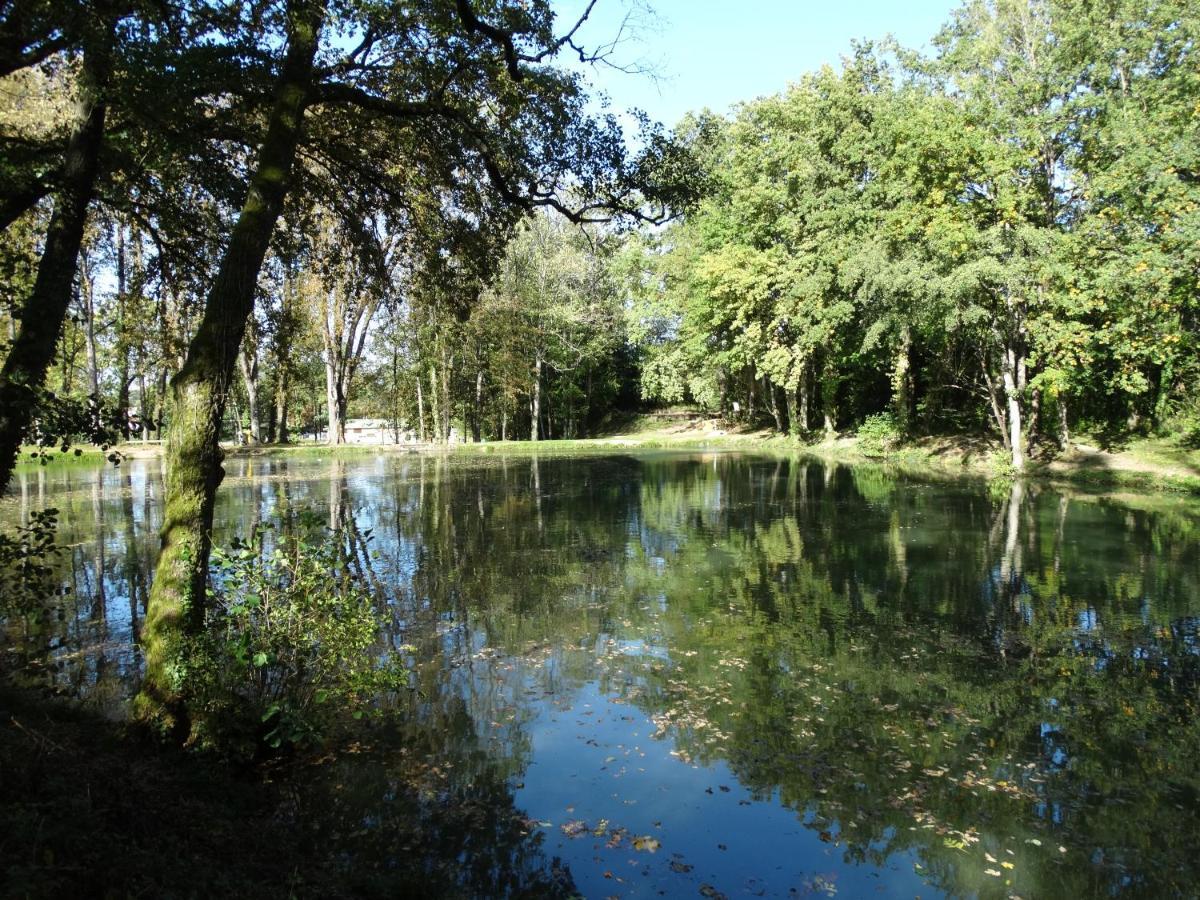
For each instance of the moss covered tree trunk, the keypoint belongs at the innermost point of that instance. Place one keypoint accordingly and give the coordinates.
(200, 390)
(44, 309)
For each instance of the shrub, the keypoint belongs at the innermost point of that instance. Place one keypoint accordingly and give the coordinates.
(29, 577)
(292, 642)
(878, 435)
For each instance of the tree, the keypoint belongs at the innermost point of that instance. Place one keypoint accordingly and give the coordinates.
(406, 97)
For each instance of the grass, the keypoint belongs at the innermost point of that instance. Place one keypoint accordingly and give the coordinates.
(1141, 464)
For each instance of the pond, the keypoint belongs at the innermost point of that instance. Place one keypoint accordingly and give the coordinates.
(718, 674)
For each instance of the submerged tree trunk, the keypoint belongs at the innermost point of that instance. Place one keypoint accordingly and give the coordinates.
(200, 390)
(44, 309)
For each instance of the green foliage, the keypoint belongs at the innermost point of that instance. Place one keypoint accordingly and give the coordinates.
(29, 576)
(292, 644)
(878, 435)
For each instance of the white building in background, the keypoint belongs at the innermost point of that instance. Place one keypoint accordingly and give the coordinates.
(378, 431)
(381, 431)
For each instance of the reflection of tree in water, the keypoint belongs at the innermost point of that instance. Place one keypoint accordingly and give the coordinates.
(897, 707)
(908, 666)
(428, 807)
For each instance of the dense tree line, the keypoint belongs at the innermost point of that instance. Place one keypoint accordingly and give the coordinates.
(1002, 234)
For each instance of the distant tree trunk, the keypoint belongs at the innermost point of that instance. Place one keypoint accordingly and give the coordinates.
(44, 309)
(769, 390)
(1064, 432)
(282, 386)
(435, 405)
(420, 411)
(143, 407)
(248, 363)
(504, 424)
(803, 389)
(536, 403)
(902, 382)
(87, 294)
(160, 403)
(122, 349)
(477, 416)
(201, 389)
(1012, 371)
(829, 386)
(447, 365)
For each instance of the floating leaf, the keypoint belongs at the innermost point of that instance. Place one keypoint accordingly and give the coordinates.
(574, 828)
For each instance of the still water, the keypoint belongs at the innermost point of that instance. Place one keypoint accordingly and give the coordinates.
(670, 674)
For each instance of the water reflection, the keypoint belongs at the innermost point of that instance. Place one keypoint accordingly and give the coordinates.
(716, 672)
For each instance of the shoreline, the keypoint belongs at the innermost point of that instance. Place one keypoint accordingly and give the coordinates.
(1081, 466)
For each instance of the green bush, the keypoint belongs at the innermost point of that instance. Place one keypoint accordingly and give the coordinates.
(29, 576)
(878, 435)
(292, 643)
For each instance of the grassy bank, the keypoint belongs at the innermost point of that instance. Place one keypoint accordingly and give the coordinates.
(1138, 464)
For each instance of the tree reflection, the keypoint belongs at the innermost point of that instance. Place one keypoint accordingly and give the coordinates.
(976, 676)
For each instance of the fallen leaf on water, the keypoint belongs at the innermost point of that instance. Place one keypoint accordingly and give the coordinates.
(574, 828)
(681, 868)
(647, 843)
(993, 872)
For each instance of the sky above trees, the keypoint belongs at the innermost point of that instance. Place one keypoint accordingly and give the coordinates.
(715, 54)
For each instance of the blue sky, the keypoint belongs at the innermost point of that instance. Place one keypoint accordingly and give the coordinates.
(716, 53)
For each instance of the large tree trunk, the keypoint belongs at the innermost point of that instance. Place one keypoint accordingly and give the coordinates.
(45, 308)
(334, 403)
(200, 390)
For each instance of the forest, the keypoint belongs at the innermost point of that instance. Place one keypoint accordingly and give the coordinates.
(230, 230)
(999, 238)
